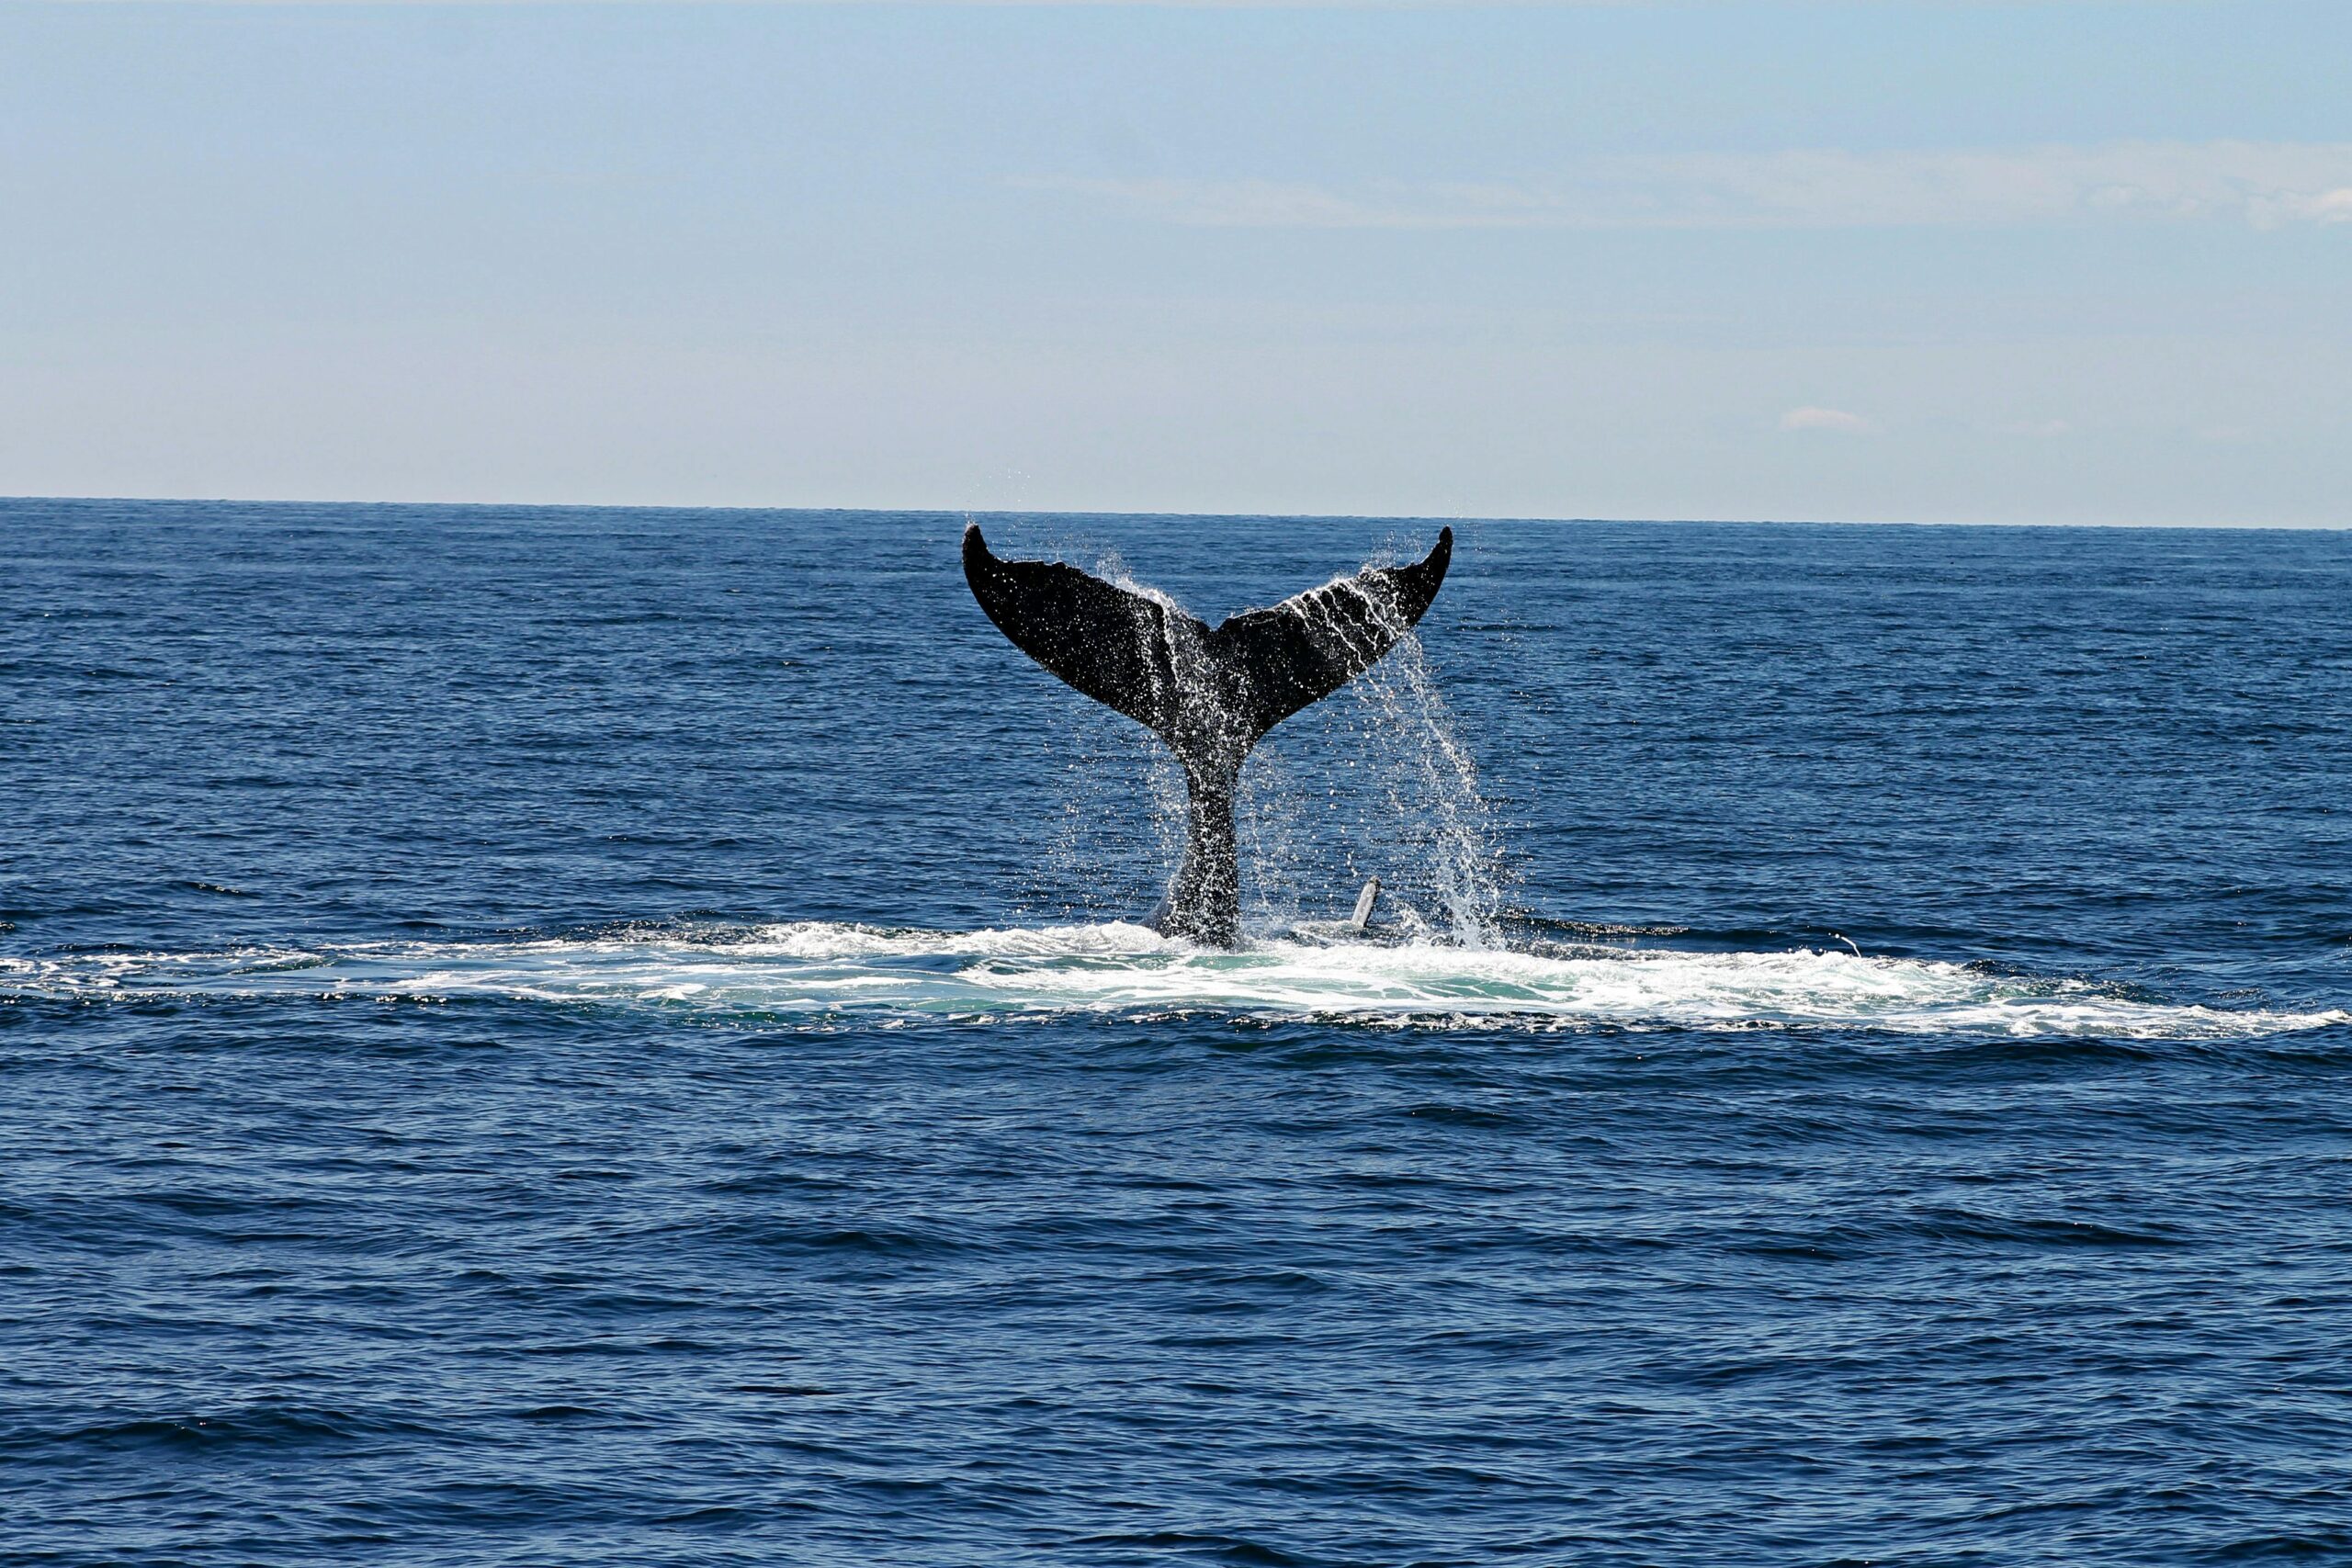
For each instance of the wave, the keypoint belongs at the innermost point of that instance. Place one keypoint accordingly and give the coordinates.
(815, 971)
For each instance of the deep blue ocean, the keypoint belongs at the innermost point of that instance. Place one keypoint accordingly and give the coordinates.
(553, 1036)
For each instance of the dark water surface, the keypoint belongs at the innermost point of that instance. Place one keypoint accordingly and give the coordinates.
(599, 1036)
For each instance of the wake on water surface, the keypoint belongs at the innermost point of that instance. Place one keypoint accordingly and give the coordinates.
(823, 973)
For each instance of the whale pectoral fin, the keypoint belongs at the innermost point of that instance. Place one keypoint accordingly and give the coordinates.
(1312, 643)
(1108, 643)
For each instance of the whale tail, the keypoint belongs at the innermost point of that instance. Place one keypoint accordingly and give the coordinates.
(1212, 693)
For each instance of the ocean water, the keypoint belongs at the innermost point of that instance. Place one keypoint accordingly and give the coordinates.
(561, 1036)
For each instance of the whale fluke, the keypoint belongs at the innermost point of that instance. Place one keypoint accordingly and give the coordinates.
(1210, 694)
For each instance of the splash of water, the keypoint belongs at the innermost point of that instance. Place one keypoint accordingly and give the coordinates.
(1400, 787)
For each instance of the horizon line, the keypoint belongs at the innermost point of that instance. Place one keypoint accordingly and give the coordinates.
(969, 511)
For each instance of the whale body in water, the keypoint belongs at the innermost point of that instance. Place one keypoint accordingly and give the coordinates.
(1210, 694)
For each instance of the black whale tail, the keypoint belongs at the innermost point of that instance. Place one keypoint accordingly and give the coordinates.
(1210, 694)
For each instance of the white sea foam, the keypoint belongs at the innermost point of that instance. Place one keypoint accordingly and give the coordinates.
(814, 972)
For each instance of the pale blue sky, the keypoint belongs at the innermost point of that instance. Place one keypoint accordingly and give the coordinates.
(2066, 262)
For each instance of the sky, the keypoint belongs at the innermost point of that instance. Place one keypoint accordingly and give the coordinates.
(2081, 261)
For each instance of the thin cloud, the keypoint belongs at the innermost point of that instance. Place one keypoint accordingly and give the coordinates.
(1836, 420)
(2267, 184)
(1186, 5)
(1131, 5)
